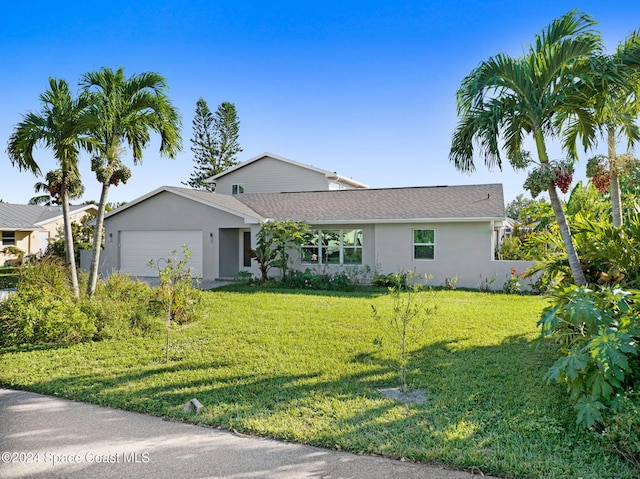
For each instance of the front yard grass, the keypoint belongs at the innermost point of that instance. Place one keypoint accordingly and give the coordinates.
(304, 367)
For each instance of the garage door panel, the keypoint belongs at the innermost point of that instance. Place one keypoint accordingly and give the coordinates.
(138, 247)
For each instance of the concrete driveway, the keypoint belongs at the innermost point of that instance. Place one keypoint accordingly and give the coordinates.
(48, 437)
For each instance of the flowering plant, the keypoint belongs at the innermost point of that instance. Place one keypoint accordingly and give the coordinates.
(512, 285)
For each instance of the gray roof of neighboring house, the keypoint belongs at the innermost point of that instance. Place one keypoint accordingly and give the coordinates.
(29, 217)
(390, 204)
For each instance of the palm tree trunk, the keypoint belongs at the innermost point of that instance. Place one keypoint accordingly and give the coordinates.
(97, 241)
(614, 187)
(574, 263)
(68, 239)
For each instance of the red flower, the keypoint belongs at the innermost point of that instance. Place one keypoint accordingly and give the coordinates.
(514, 271)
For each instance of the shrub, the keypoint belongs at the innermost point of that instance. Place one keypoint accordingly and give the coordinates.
(598, 333)
(485, 284)
(391, 280)
(340, 282)
(622, 429)
(122, 307)
(450, 284)
(43, 310)
(512, 285)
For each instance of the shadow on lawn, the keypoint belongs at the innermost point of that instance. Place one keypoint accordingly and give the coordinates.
(481, 402)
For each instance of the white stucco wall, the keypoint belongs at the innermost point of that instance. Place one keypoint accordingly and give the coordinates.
(272, 176)
(461, 249)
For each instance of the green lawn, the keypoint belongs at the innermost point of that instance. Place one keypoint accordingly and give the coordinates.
(304, 367)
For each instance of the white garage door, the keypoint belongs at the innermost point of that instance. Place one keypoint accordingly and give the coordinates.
(138, 247)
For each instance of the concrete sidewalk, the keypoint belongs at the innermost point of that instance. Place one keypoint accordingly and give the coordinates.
(47, 437)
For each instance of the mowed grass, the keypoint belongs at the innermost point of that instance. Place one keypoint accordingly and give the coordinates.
(305, 367)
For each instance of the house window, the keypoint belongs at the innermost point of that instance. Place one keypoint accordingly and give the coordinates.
(237, 189)
(332, 247)
(423, 244)
(309, 251)
(8, 238)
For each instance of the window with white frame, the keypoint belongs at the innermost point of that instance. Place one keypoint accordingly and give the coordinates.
(237, 189)
(8, 238)
(335, 246)
(423, 244)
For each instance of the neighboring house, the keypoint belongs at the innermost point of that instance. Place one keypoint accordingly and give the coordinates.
(31, 228)
(443, 231)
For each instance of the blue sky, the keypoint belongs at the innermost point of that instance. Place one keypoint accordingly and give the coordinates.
(366, 89)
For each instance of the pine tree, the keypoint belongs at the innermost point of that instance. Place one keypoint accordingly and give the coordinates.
(203, 147)
(227, 126)
(214, 143)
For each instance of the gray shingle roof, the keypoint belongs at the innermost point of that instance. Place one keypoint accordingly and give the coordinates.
(225, 201)
(466, 202)
(428, 203)
(28, 217)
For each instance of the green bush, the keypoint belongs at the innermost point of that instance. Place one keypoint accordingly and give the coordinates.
(622, 428)
(391, 280)
(42, 310)
(309, 279)
(598, 332)
(340, 282)
(123, 307)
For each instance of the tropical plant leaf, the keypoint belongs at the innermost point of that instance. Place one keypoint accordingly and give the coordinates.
(570, 366)
(582, 310)
(599, 386)
(588, 411)
(609, 350)
(549, 320)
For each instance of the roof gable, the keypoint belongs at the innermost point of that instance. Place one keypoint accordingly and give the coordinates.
(225, 203)
(327, 174)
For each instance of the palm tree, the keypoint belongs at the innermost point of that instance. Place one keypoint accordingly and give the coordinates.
(124, 111)
(52, 186)
(616, 108)
(506, 98)
(59, 126)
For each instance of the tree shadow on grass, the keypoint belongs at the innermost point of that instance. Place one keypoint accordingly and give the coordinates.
(487, 407)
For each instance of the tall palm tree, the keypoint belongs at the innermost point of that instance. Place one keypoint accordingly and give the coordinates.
(506, 98)
(59, 126)
(52, 186)
(617, 105)
(124, 112)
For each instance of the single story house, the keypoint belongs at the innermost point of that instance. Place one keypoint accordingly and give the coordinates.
(443, 231)
(31, 228)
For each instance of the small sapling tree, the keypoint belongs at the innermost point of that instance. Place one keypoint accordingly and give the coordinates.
(176, 292)
(412, 306)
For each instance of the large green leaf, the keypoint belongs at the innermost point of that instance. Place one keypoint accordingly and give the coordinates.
(548, 320)
(588, 411)
(609, 349)
(581, 310)
(570, 366)
(599, 386)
